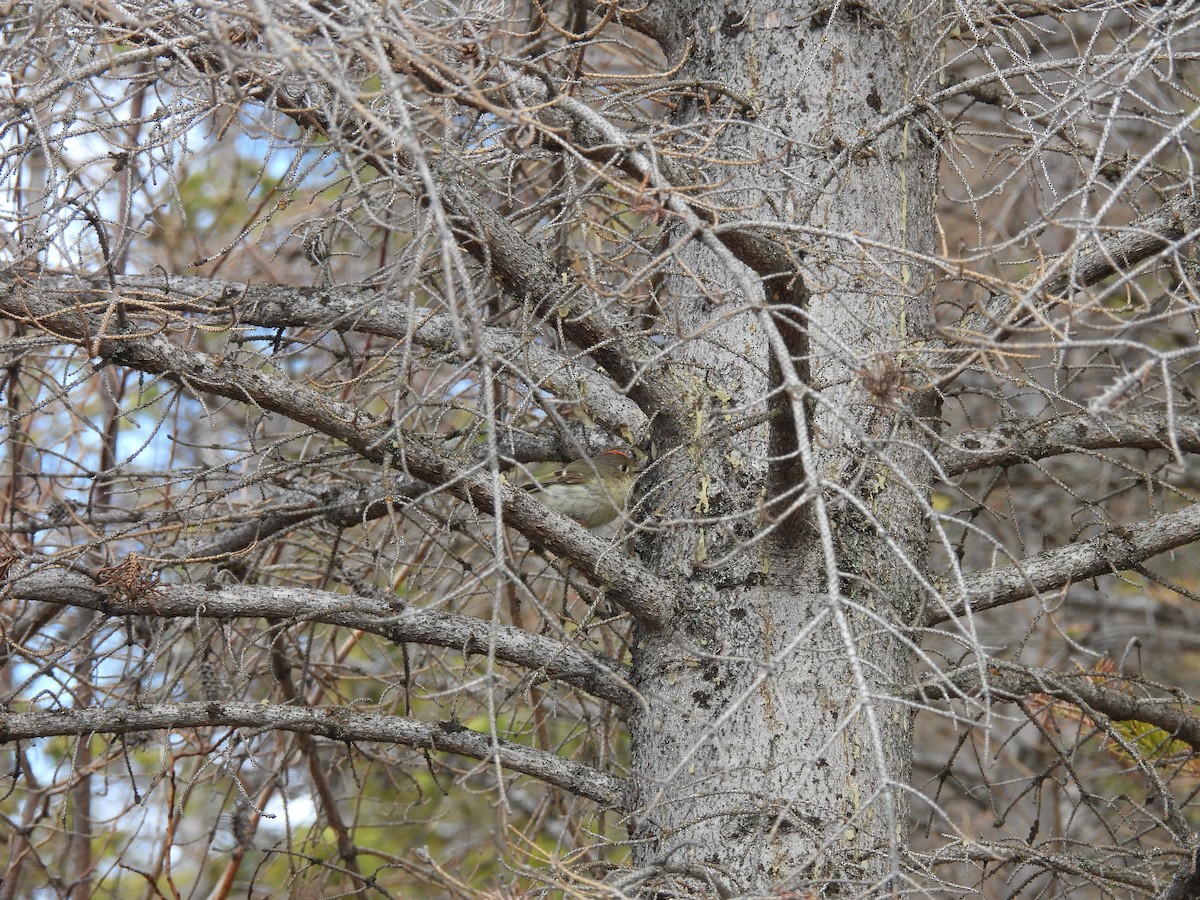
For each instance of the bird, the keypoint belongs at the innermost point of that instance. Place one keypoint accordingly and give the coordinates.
(591, 491)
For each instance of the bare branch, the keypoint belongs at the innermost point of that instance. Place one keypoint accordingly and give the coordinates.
(366, 310)
(521, 268)
(547, 659)
(722, 233)
(1022, 441)
(1174, 226)
(335, 723)
(1186, 883)
(1007, 681)
(1094, 871)
(645, 595)
(1120, 548)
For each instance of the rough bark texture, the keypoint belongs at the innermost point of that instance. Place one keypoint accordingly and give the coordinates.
(292, 290)
(768, 751)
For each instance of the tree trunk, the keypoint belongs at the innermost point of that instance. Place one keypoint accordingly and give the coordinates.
(767, 755)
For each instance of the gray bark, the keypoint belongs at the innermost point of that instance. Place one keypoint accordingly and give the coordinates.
(537, 238)
(769, 752)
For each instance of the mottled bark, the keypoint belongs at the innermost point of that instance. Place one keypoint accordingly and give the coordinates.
(769, 754)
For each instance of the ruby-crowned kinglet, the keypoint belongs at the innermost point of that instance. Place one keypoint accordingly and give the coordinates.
(590, 491)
